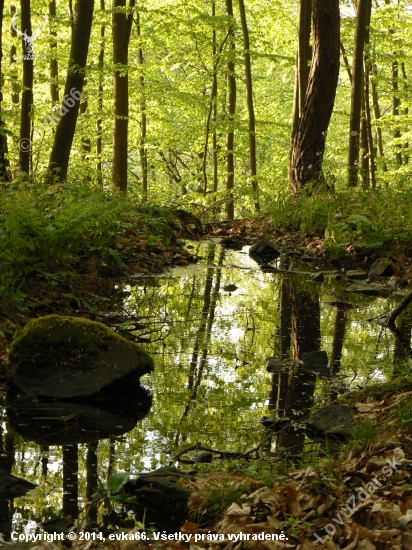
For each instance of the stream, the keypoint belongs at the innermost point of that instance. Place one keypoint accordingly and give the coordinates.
(211, 328)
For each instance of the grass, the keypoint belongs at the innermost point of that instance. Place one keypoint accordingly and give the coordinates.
(378, 390)
(52, 231)
(370, 218)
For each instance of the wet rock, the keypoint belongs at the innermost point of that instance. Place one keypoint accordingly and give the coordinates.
(382, 268)
(234, 243)
(230, 288)
(317, 361)
(370, 290)
(276, 365)
(65, 423)
(70, 357)
(264, 252)
(12, 486)
(356, 274)
(162, 497)
(318, 277)
(334, 420)
(277, 424)
(187, 223)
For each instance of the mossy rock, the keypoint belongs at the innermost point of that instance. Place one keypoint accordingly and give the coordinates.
(70, 357)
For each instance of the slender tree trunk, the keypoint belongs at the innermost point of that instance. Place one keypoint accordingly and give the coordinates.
(54, 66)
(303, 59)
(339, 331)
(250, 106)
(100, 101)
(143, 119)
(86, 145)
(405, 111)
(395, 109)
(377, 114)
(70, 481)
(3, 141)
(368, 120)
(63, 139)
(363, 150)
(309, 144)
(363, 9)
(91, 481)
(231, 109)
(121, 33)
(15, 96)
(27, 93)
(214, 111)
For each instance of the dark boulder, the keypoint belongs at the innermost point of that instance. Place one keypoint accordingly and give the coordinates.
(162, 496)
(69, 357)
(12, 486)
(264, 252)
(316, 361)
(334, 421)
(382, 268)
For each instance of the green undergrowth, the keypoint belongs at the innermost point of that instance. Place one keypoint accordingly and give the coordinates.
(373, 218)
(377, 391)
(52, 231)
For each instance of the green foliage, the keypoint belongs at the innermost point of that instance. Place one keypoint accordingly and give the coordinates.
(364, 434)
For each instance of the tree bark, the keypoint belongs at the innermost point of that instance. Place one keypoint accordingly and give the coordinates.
(214, 111)
(309, 143)
(231, 109)
(121, 33)
(27, 93)
(143, 118)
(100, 101)
(250, 106)
(3, 138)
(54, 65)
(15, 95)
(363, 15)
(63, 139)
(377, 114)
(395, 109)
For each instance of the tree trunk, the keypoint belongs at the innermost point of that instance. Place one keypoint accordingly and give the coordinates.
(27, 93)
(122, 24)
(214, 111)
(15, 96)
(395, 109)
(363, 15)
(304, 56)
(143, 119)
(70, 481)
(250, 106)
(91, 481)
(100, 101)
(63, 139)
(231, 109)
(54, 66)
(3, 140)
(405, 111)
(309, 143)
(377, 114)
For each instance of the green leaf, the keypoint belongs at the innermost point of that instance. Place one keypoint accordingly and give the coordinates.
(117, 481)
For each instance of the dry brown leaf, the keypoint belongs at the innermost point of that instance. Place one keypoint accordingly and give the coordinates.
(367, 407)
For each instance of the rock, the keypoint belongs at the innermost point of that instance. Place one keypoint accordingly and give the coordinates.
(266, 268)
(162, 497)
(370, 290)
(188, 223)
(276, 365)
(334, 420)
(318, 277)
(382, 268)
(12, 486)
(357, 274)
(66, 423)
(264, 252)
(277, 424)
(230, 288)
(317, 361)
(69, 357)
(234, 243)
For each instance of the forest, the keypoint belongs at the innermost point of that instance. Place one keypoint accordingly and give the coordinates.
(205, 274)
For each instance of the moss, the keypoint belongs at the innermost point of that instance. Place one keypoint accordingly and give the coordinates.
(59, 341)
(378, 390)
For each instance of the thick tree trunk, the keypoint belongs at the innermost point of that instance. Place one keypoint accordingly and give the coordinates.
(231, 109)
(250, 106)
(54, 66)
(27, 94)
(63, 139)
(143, 118)
(309, 143)
(363, 15)
(100, 101)
(121, 32)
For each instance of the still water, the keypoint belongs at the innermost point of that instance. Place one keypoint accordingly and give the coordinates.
(210, 328)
